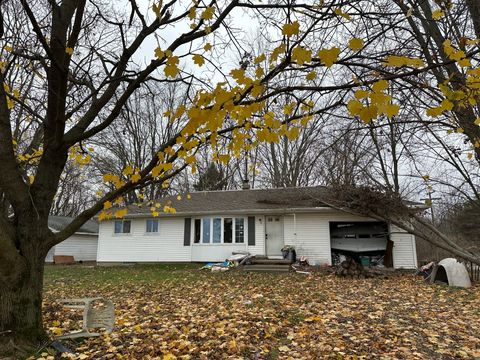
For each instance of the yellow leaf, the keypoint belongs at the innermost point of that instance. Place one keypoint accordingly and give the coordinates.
(103, 215)
(291, 29)
(355, 44)
(192, 13)
(198, 60)
(259, 59)
(354, 107)
(426, 177)
(207, 47)
(207, 14)
(361, 94)
(301, 55)
(171, 70)
(465, 62)
(460, 130)
(399, 61)
(157, 9)
(189, 196)
(8, 48)
(69, 51)
(121, 213)
(477, 121)
(328, 56)
(435, 111)
(338, 11)
(259, 72)
(57, 331)
(470, 156)
(107, 205)
(313, 318)
(31, 178)
(283, 348)
(311, 76)
(391, 110)
(380, 85)
(224, 158)
(437, 14)
(135, 178)
(159, 53)
(128, 170)
(368, 113)
(179, 197)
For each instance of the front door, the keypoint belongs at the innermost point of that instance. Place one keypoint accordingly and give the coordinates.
(274, 235)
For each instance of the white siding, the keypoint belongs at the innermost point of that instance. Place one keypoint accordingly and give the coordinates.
(310, 234)
(259, 248)
(81, 247)
(49, 257)
(404, 249)
(215, 252)
(138, 246)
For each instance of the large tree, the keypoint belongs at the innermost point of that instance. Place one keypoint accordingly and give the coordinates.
(70, 69)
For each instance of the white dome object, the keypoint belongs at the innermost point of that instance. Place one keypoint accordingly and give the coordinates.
(452, 272)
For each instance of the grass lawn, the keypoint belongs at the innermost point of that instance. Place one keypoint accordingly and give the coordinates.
(177, 311)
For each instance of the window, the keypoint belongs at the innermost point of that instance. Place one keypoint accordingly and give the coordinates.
(239, 233)
(217, 231)
(122, 226)
(227, 230)
(206, 230)
(152, 225)
(197, 231)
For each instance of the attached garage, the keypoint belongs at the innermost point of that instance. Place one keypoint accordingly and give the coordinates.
(367, 242)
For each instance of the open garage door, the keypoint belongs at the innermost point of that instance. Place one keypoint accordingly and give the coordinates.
(366, 242)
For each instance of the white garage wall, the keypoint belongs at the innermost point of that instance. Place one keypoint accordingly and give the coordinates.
(312, 237)
(139, 246)
(404, 249)
(81, 247)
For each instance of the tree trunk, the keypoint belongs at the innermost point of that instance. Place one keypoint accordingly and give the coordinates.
(21, 328)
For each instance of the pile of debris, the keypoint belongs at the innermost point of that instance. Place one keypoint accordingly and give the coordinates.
(351, 269)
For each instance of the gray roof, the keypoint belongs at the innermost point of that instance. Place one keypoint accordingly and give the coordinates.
(58, 223)
(237, 201)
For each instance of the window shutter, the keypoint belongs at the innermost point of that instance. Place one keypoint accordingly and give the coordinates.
(251, 231)
(187, 231)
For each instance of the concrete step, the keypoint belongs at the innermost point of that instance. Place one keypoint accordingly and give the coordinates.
(270, 261)
(267, 268)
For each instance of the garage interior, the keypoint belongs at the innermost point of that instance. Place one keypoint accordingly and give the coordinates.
(368, 243)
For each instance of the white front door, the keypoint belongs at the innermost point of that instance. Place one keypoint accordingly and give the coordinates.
(274, 235)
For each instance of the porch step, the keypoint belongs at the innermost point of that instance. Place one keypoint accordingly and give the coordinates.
(270, 261)
(267, 267)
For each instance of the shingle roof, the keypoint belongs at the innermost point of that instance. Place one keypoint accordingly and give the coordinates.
(58, 223)
(240, 201)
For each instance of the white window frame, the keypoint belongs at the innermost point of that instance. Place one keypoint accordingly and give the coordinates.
(152, 232)
(222, 229)
(122, 233)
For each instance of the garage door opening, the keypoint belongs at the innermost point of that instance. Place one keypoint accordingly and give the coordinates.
(367, 243)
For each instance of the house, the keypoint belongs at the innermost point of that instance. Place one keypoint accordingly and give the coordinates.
(82, 245)
(210, 225)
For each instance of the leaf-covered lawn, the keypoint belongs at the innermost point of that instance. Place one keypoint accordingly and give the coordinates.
(168, 311)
